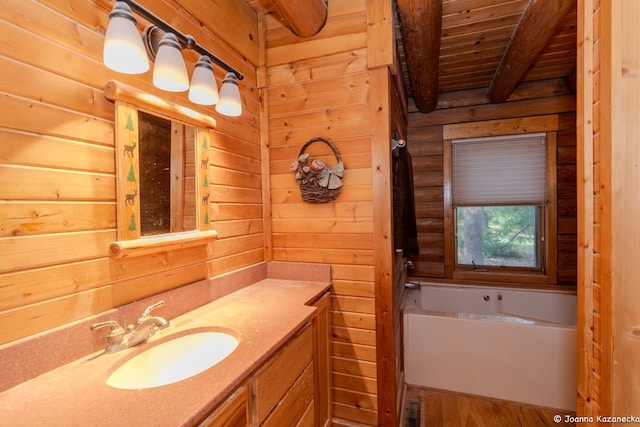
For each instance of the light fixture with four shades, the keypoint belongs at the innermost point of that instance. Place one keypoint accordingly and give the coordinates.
(129, 52)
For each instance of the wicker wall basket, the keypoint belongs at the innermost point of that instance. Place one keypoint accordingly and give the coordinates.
(318, 182)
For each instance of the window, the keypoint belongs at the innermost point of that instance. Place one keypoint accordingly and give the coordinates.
(500, 236)
(501, 202)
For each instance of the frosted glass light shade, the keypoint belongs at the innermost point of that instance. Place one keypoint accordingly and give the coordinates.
(230, 103)
(203, 89)
(169, 71)
(123, 49)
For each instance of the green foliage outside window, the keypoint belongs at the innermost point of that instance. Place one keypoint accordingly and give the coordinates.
(497, 236)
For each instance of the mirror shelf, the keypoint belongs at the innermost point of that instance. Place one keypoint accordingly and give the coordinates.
(163, 242)
(118, 91)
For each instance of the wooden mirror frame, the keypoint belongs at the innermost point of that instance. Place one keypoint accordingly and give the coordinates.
(128, 102)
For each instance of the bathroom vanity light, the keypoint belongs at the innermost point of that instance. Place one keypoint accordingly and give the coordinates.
(169, 71)
(230, 104)
(204, 89)
(127, 51)
(124, 50)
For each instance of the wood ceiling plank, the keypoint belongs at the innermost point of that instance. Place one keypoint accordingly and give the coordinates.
(508, 22)
(479, 15)
(537, 26)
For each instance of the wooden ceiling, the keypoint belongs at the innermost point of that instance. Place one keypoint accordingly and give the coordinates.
(485, 46)
(456, 48)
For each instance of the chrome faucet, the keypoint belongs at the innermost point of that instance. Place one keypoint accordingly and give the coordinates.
(412, 285)
(119, 339)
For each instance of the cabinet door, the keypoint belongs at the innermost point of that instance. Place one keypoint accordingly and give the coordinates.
(233, 412)
(272, 382)
(295, 403)
(308, 419)
(322, 361)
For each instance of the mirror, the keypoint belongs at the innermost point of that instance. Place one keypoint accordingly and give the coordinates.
(167, 183)
(162, 155)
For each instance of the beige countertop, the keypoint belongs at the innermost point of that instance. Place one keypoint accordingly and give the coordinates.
(261, 316)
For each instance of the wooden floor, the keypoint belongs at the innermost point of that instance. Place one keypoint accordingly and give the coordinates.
(448, 409)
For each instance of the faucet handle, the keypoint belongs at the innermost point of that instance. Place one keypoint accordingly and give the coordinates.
(116, 329)
(147, 311)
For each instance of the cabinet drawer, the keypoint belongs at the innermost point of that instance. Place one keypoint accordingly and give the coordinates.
(273, 380)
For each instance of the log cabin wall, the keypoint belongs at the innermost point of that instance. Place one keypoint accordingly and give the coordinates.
(57, 163)
(336, 85)
(425, 142)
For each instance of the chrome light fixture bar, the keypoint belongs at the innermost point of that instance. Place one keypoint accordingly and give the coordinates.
(163, 42)
(186, 41)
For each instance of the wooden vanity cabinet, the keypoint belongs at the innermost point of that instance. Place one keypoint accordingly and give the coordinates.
(293, 388)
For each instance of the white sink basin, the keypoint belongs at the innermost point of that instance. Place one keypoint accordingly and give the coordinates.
(173, 361)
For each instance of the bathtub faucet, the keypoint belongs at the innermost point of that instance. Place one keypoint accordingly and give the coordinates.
(412, 285)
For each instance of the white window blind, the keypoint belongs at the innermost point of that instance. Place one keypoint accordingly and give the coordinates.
(499, 171)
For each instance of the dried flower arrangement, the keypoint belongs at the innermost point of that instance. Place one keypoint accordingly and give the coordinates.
(318, 182)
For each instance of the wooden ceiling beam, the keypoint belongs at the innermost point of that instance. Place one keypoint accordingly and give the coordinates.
(304, 18)
(536, 27)
(421, 32)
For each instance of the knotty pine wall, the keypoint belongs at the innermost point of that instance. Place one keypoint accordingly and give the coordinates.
(328, 85)
(594, 394)
(57, 163)
(425, 142)
(608, 289)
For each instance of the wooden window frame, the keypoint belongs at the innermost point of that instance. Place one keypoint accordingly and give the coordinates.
(504, 275)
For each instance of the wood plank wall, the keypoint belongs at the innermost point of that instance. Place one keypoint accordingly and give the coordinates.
(622, 35)
(425, 142)
(324, 86)
(609, 338)
(57, 163)
(589, 402)
(602, 327)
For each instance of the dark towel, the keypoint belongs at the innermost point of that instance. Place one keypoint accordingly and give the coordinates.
(405, 231)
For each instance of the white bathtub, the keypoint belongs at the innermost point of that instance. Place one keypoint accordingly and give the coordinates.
(504, 343)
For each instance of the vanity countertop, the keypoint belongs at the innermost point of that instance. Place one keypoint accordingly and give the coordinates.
(262, 317)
